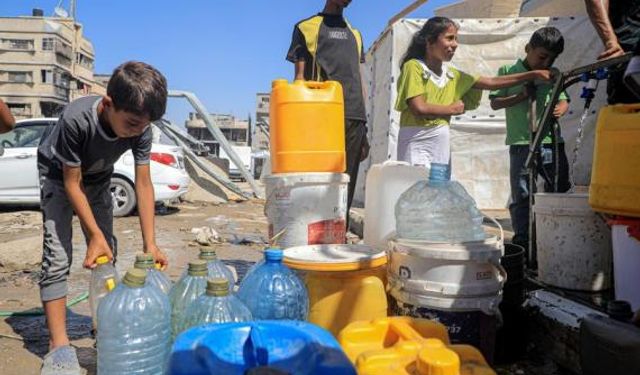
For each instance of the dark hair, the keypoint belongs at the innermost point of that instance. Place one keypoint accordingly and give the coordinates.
(138, 88)
(548, 38)
(428, 34)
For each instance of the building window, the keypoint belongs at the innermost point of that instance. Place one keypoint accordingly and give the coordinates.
(20, 109)
(48, 44)
(19, 44)
(19, 77)
(84, 60)
(47, 76)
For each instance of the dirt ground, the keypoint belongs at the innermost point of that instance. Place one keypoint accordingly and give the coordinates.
(24, 339)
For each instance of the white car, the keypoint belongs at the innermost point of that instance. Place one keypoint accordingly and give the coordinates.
(18, 167)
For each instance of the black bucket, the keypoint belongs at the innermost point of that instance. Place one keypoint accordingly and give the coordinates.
(513, 262)
(471, 327)
(511, 340)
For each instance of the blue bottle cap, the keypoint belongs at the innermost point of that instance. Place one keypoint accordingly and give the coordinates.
(439, 172)
(273, 255)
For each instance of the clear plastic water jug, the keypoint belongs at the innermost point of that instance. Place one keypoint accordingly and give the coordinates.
(191, 285)
(134, 334)
(216, 305)
(103, 280)
(215, 267)
(438, 210)
(273, 291)
(154, 276)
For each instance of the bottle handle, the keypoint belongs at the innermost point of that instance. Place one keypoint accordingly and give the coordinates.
(501, 238)
(255, 344)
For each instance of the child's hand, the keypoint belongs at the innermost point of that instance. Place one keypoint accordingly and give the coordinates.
(457, 108)
(158, 255)
(560, 109)
(543, 74)
(97, 247)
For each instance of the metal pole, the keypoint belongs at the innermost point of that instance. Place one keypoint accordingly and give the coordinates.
(217, 134)
(533, 174)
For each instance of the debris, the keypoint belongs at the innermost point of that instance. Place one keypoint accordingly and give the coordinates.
(206, 236)
(247, 239)
(218, 220)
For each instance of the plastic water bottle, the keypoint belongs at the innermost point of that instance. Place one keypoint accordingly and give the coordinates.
(216, 305)
(216, 269)
(273, 291)
(438, 210)
(191, 285)
(134, 333)
(155, 276)
(103, 280)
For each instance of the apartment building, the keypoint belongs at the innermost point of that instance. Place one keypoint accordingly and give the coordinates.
(235, 130)
(45, 62)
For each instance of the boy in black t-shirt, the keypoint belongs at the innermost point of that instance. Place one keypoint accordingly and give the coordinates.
(75, 163)
(326, 47)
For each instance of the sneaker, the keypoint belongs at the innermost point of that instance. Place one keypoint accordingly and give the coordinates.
(61, 361)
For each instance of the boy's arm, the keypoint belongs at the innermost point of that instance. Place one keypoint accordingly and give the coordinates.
(146, 211)
(561, 108)
(72, 177)
(7, 122)
(500, 102)
(299, 70)
(598, 11)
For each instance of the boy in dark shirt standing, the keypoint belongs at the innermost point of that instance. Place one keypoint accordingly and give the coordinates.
(326, 47)
(75, 163)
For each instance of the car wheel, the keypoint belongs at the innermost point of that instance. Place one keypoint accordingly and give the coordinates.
(123, 195)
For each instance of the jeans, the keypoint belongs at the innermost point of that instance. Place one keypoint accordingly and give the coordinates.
(519, 178)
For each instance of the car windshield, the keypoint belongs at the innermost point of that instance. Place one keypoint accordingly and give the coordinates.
(24, 136)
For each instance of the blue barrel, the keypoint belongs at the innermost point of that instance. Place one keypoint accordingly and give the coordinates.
(290, 347)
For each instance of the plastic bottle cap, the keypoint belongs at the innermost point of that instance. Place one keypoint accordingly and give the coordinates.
(110, 284)
(135, 278)
(144, 261)
(436, 359)
(273, 255)
(208, 254)
(439, 172)
(198, 268)
(102, 259)
(218, 287)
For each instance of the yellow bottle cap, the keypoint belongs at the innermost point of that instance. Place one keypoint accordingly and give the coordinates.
(436, 359)
(110, 284)
(102, 259)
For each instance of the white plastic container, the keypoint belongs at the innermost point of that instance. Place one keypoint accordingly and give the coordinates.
(626, 261)
(470, 269)
(385, 183)
(310, 207)
(103, 280)
(574, 243)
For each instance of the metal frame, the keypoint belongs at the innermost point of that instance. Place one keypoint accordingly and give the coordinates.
(219, 136)
(563, 81)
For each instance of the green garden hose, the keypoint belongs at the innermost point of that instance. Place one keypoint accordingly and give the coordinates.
(39, 311)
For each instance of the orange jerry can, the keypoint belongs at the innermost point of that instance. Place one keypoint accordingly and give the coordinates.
(306, 128)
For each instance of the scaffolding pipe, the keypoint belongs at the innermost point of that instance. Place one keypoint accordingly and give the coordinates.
(218, 135)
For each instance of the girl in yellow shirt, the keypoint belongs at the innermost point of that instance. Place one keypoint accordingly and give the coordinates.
(430, 92)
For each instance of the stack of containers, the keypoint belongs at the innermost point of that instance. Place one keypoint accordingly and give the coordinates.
(442, 265)
(615, 190)
(307, 190)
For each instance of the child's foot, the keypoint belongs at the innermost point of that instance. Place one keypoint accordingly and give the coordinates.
(61, 361)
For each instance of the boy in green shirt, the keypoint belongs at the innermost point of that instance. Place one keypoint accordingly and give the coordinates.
(545, 45)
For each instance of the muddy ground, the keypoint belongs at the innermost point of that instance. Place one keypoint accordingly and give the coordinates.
(24, 339)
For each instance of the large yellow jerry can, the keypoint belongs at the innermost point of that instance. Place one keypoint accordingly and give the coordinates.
(307, 127)
(408, 346)
(615, 176)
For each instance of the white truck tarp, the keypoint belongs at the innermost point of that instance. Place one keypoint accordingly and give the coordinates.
(479, 156)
